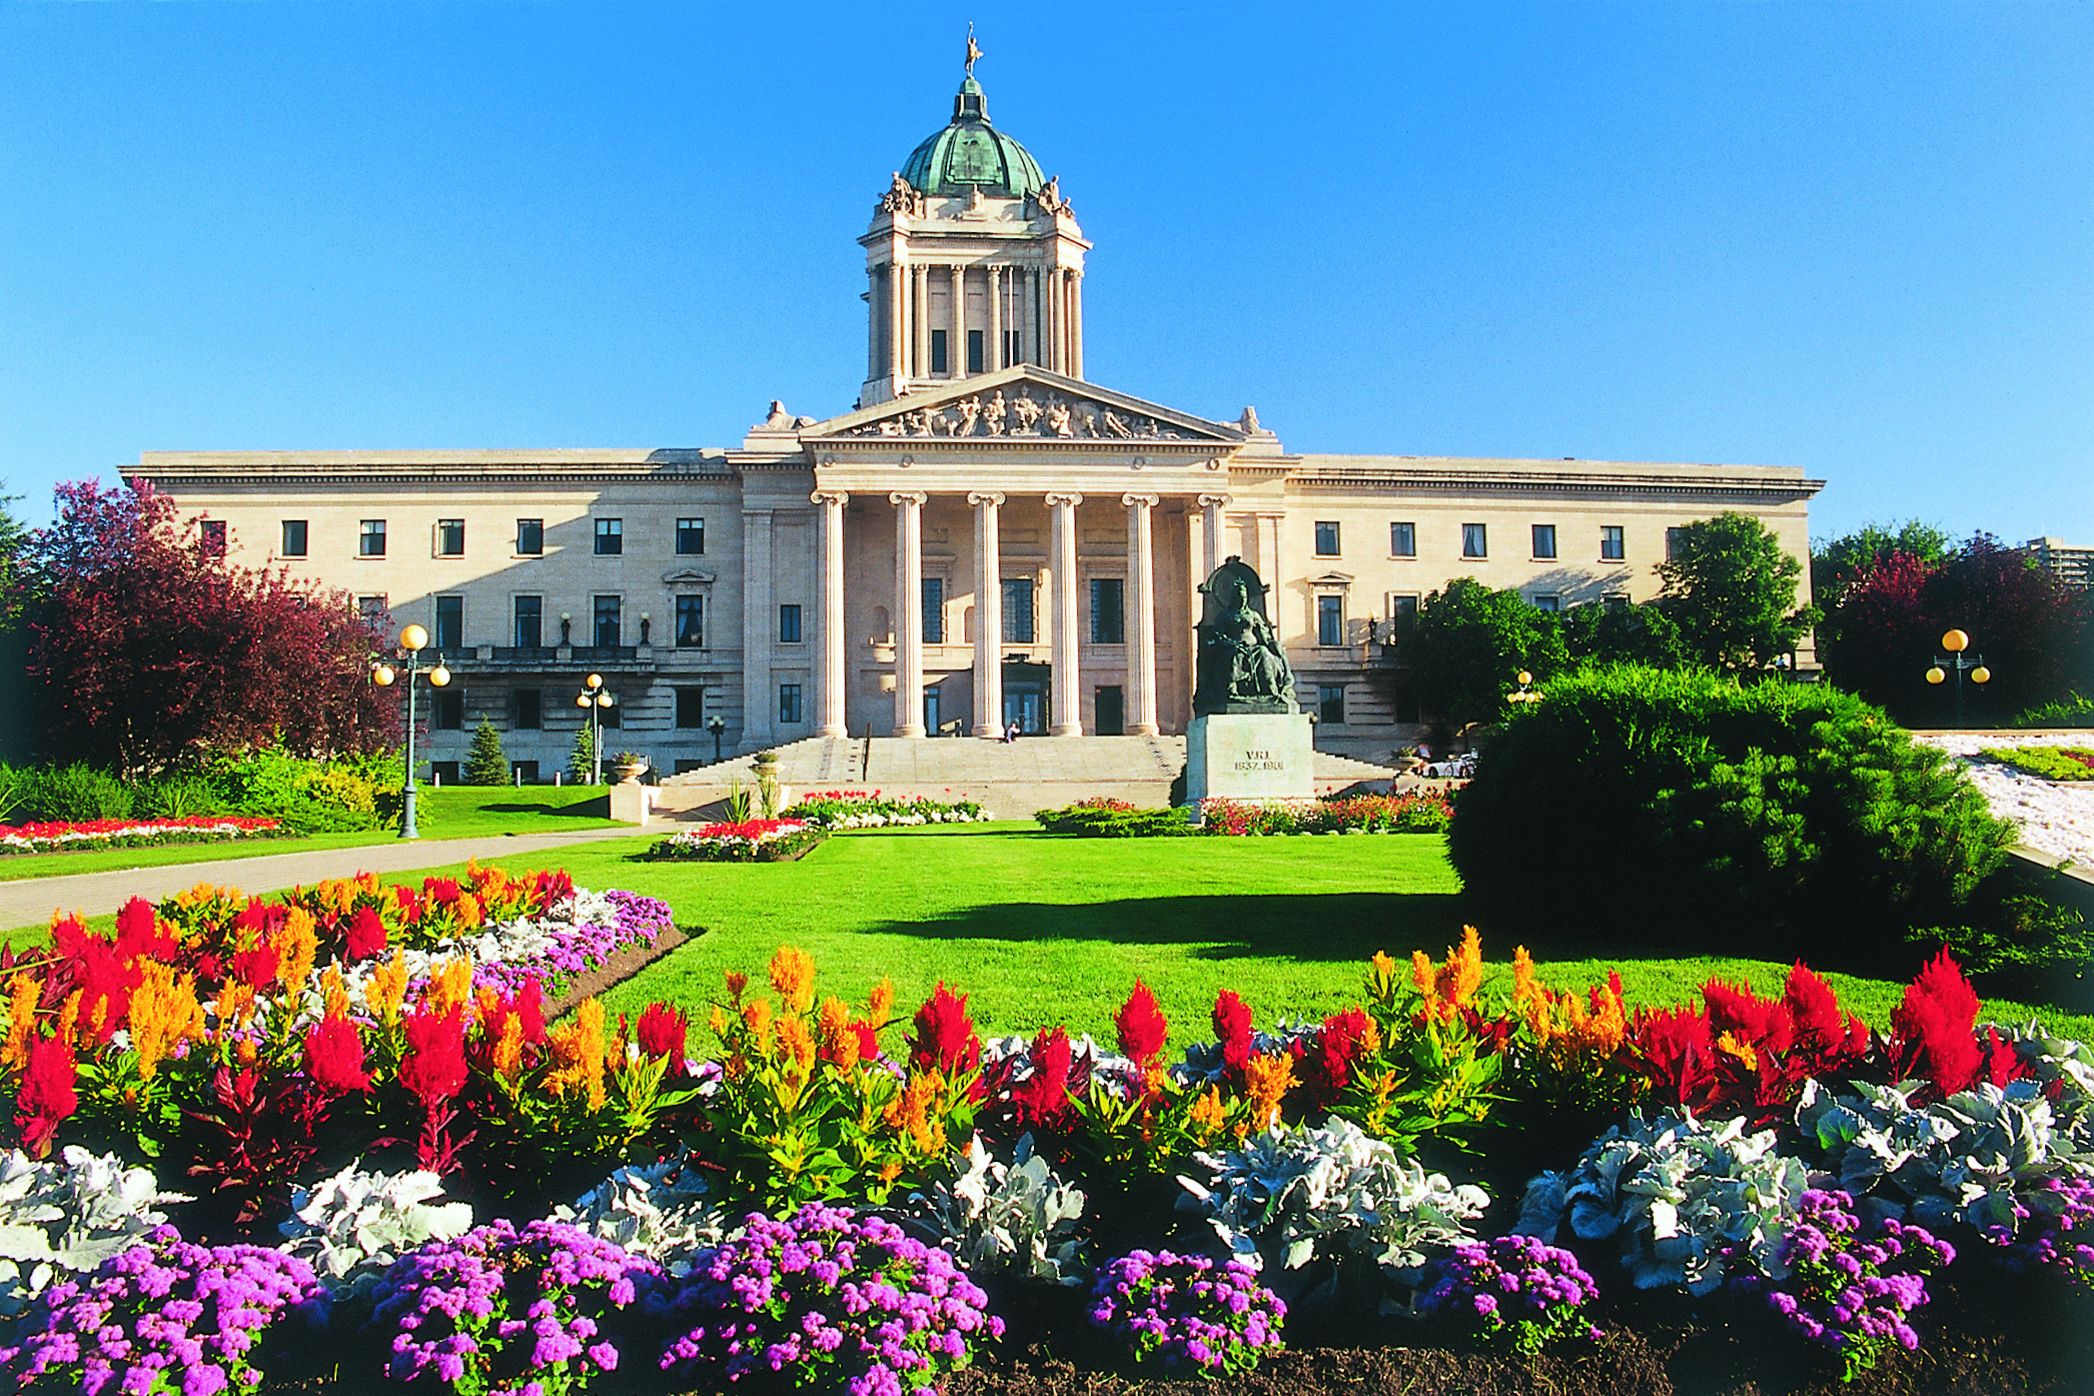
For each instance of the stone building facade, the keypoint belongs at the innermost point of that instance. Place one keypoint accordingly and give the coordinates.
(986, 538)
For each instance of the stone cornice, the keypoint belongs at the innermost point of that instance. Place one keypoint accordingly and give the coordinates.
(1778, 486)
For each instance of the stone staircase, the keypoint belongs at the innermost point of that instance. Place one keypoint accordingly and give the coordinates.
(1011, 779)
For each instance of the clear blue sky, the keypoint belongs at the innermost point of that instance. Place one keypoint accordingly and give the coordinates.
(1856, 237)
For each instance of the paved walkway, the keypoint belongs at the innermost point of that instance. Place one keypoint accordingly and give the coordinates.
(31, 901)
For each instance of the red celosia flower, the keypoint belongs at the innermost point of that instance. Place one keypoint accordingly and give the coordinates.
(262, 918)
(1934, 1031)
(1327, 1066)
(256, 967)
(528, 1007)
(1140, 1026)
(366, 934)
(139, 934)
(46, 1096)
(1232, 1028)
(410, 905)
(1042, 1099)
(661, 1033)
(105, 982)
(441, 891)
(552, 887)
(1677, 1052)
(945, 1038)
(434, 1066)
(334, 1056)
(1736, 1010)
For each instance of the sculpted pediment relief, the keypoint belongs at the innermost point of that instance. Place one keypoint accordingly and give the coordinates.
(1025, 409)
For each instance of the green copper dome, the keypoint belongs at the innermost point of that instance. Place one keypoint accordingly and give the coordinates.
(971, 154)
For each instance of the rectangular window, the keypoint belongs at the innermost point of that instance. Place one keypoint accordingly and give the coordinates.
(1403, 540)
(789, 702)
(610, 537)
(1330, 703)
(1017, 611)
(938, 355)
(447, 709)
(450, 622)
(976, 347)
(372, 609)
(524, 772)
(1330, 620)
(1403, 614)
(1474, 541)
(1108, 611)
(527, 709)
(1545, 542)
(294, 538)
(690, 622)
(690, 705)
(609, 628)
(690, 537)
(1326, 538)
(530, 537)
(1547, 601)
(934, 610)
(1674, 537)
(1613, 546)
(370, 538)
(788, 625)
(530, 622)
(443, 773)
(450, 537)
(211, 534)
(1615, 602)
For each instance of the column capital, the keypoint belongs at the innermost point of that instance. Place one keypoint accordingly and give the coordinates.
(915, 497)
(1143, 501)
(1059, 500)
(993, 498)
(836, 497)
(1215, 501)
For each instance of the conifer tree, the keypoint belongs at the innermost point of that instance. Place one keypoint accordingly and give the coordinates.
(581, 761)
(485, 761)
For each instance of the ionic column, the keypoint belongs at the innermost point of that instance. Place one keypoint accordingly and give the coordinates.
(908, 612)
(958, 349)
(1141, 644)
(830, 699)
(1066, 717)
(994, 360)
(988, 614)
(1211, 506)
(1076, 324)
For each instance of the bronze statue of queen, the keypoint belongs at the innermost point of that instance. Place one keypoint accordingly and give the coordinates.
(1241, 668)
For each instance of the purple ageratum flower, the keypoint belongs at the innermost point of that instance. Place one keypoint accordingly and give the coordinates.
(2053, 1230)
(509, 1309)
(1184, 1310)
(1515, 1290)
(161, 1307)
(830, 1298)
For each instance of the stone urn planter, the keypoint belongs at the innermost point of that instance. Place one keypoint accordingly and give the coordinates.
(629, 771)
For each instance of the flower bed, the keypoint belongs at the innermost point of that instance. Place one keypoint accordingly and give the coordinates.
(2055, 817)
(2048, 762)
(1103, 817)
(132, 833)
(741, 841)
(495, 1200)
(869, 809)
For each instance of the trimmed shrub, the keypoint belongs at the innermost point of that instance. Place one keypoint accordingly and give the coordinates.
(1695, 812)
(1114, 819)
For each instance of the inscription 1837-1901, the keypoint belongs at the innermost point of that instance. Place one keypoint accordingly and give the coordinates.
(1258, 761)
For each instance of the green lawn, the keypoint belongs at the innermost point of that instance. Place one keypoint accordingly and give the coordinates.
(1039, 929)
(453, 813)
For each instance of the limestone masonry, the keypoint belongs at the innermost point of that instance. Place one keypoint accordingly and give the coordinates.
(986, 538)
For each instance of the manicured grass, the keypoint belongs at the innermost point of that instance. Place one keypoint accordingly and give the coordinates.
(455, 813)
(1039, 929)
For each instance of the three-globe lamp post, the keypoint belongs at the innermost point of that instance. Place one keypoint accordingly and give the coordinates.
(593, 699)
(1525, 692)
(413, 640)
(1959, 662)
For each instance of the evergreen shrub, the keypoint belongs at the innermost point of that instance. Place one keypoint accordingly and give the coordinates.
(73, 794)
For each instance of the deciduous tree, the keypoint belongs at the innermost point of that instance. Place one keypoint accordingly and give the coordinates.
(1731, 588)
(1469, 644)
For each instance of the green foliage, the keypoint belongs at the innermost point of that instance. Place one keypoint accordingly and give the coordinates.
(1470, 643)
(1114, 819)
(177, 796)
(1835, 564)
(581, 758)
(14, 789)
(2073, 710)
(1692, 811)
(485, 761)
(1623, 635)
(1730, 587)
(74, 794)
(2049, 762)
(309, 797)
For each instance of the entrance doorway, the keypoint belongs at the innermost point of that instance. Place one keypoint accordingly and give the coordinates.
(1025, 697)
(1110, 704)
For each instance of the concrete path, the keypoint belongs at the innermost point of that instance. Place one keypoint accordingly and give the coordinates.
(31, 901)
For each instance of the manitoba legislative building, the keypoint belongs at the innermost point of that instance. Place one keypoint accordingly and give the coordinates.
(985, 538)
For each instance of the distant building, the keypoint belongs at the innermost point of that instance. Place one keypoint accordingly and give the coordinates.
(2072, 566)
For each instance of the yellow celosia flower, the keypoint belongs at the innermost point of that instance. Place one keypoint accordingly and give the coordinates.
(334, 994)
(792, 975)
(387, 988)
(467, 910)
(508, 1048)
(717, 1021)
(163, 1009)
(577, 1052)
(1267, 1078)
(235, 1005)
(1422, 975)
(1381, 974)
(1731, 1044)
(297, 944)
(450, 985)
(22, 997)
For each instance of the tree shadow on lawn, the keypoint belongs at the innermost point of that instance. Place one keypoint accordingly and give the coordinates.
(1330, 927)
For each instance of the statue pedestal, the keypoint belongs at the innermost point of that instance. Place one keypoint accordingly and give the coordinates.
(1250, 756)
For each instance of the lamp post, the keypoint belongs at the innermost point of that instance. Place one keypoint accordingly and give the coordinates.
(1960, 662)
(412, 641)
(1525, 692)
(594, 697)
(716, 725)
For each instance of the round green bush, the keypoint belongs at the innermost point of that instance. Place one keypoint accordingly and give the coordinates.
(1689, 811)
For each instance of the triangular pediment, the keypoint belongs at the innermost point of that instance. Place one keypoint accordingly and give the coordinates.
(1022, 403)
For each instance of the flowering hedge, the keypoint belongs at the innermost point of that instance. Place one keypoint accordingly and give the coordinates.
(741, 841)
(132, 833)
(869, 809)
(1104, 817)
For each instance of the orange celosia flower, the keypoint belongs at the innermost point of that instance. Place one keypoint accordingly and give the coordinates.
(1732, 1045)
(839, 1039)
(450, 986)
(297, 944)
(879, 1004)
(163, 1009)
(235, 1005)
(756, 1017)
(387, 988)
(69, 1015)
(334, 994)
(1450, 987)
(467, 910)
(796, 1043)
(577, 1052)
(792, 975)
(1422, 975)
(1525, 986)
(1381, 974)
(22, 997)
(1208, 1115)
(508, 1048)
(1266, 1080)
(918, 1114)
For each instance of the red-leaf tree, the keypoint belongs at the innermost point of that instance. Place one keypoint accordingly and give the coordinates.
(147, 646)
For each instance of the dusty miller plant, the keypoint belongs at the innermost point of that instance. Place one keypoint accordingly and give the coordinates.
(1297, 1192)
(70, 1213)
(354, 1224)
(662, 1210)
(1018, 1218)
(1683, 1199)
